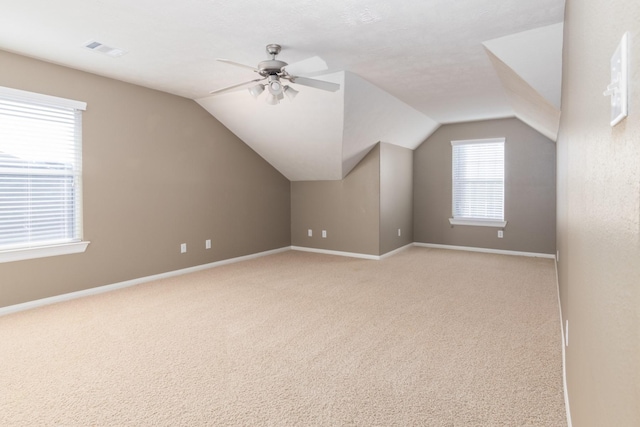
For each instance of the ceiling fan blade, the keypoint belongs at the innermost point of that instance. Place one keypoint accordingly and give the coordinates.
(231, 88)
(318, 84)
(237, 64)
(307, 66)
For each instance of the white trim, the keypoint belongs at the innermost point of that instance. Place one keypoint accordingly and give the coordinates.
(339, 253)
(43, 251)
(395, 251)
(564, 356)
(108, 288)
(501, 117)
(477, 141)
(352, 254)
(39, 98)
(478, 222)
(485, 250)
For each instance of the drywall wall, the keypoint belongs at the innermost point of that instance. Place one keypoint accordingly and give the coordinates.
(347, 209)
(362, 212)
(529, 189)
(396, 197)
(599, 218)
(158, 171)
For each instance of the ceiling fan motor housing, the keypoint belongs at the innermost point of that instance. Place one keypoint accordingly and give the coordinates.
(271, 66)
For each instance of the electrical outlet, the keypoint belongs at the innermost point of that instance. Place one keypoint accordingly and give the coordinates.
(310, 233)
(324, 234)
(399, 232)
(183, 248)
(500, 234)
(207, 244)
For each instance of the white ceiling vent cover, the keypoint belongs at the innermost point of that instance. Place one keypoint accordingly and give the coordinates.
(103, 48)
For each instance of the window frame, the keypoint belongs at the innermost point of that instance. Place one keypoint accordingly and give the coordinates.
(78, 245)
(471, 221)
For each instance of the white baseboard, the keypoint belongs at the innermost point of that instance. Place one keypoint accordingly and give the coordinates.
(108, 288)
(338, 253)
(564, 355)
(485, 250)
(395, 251)
(351, 254)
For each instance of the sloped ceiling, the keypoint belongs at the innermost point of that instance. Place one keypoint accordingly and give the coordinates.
(333, 131)
(373, 115)
(529, 65)
(302, 138)
(425, 59)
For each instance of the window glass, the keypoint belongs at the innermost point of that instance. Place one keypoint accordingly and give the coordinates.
(478, 179)
(40, 170)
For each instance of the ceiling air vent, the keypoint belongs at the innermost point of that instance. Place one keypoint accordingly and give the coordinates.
(103, 48)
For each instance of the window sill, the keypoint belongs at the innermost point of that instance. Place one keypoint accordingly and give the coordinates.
(478, 222)
(42, 251)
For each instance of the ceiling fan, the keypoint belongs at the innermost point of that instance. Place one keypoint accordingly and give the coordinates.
(275, 72)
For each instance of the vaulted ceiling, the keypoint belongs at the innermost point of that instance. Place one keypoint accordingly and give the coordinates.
(404, 68)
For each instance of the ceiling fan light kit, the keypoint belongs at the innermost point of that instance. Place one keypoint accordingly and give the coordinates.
(275, 87)
(290, 92)
(256, 90)
(274, 71)
(272, 99)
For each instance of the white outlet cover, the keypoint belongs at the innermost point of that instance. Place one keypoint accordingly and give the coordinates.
(207, 244)
(310, 233)
(617, 89)
(324, 234)
(183, 248)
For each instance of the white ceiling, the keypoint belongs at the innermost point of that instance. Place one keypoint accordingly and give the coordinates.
(424, 58)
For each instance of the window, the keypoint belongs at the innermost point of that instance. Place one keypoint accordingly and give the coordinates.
(478, 182)
(40, 175)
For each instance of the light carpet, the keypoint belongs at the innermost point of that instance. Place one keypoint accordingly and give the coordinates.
(427, 337)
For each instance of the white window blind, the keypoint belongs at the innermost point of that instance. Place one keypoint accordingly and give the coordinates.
(40, 170)
(478, 180)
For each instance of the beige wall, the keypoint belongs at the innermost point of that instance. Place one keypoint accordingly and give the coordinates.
(396, 197)
(348, 209)
(529, 189)
(158, 171)
(599, 217)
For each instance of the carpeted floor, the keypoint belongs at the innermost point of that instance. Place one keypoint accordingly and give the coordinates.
(426, 337)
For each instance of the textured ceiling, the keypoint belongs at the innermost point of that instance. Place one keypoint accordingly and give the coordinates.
(425, 54)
